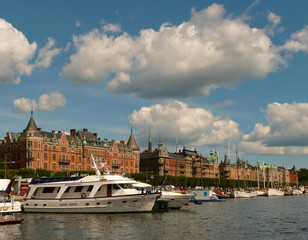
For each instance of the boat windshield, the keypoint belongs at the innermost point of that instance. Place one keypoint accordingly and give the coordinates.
(126, 186)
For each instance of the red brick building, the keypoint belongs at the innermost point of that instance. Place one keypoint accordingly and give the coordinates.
(56, 151)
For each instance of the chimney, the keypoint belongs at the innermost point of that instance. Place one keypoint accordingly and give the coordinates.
(39, 129)
(85, 130)
(53, 131)
(122, 142)
(73, 132)
(95, 135)
(99, 139)
(59, 131)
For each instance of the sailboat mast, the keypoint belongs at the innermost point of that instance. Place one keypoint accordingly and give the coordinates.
(263, 176)
(176, 163)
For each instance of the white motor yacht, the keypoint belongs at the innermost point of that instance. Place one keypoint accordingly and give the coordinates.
(107, 193)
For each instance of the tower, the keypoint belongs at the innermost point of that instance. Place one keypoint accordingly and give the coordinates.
(150, 141)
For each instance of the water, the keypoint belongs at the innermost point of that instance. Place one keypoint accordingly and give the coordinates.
(256, 218)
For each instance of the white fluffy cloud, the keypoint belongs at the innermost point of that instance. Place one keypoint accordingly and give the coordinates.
(192, 126)
(298, 41)
(210, 50)
(46, 54)
(46, 103)
(285, 133)
(16, 53)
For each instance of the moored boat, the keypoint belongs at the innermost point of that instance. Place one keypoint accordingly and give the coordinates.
(205, 195)
(296, 191)
(273, 192)
(107, 193)
(241, 194)
(176, 200)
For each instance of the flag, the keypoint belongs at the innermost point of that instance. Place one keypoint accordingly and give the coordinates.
(10, 185)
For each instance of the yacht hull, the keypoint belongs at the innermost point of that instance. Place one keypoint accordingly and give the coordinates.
(116, 204)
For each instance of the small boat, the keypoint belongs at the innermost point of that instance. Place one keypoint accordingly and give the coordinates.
(175, 199)
(241, 194)
(273, 192)
(296, 191)
(10, 219)
(10, 206)
(99, 193)
(206, 195)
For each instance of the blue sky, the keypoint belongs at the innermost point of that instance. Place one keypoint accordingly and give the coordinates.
(207, 73)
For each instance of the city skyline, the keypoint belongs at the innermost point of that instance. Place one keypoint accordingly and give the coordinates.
(208, 73)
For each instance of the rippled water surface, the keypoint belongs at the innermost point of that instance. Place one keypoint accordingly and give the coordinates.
(256, 218)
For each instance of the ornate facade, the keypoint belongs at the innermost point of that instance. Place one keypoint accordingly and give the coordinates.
(56, 151)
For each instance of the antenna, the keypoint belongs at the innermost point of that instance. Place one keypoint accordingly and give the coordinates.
(97, 172)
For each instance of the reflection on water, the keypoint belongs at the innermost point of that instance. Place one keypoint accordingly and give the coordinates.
(257, 218)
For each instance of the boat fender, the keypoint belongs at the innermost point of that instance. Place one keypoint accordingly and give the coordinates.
(83, 195)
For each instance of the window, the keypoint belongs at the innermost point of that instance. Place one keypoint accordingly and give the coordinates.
(79, 159)
(63, 149)
(45, 165)
(45, 156)
(73, 150)
(78, 189)
(90, 188)
(68, 189)
(45, 147)
(115, 187)
(53, 156)
(54, 148)
(48, 190)
(53, 166)
(38, 155)
(72, 167)
(30, 144)
(39, 144)
(79, 167)
(38, 163)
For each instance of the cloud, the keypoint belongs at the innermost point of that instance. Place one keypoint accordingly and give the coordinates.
(192, 126)
(46, 54)
(298, 41)
(47, 103)
(16, 54)
(226, 103)
(113, 28)
(285, 132)
(209, 51)
(273, 23)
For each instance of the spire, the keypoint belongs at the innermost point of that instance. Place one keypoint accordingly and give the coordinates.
(150, 141)
(31, 124)
(132, 142)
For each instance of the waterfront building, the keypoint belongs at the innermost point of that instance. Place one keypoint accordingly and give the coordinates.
(56, 151)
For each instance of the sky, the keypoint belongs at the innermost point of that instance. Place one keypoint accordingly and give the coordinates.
(204, 75)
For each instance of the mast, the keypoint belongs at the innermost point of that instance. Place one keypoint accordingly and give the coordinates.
(258, 175)
(176, 163)
(263, 177)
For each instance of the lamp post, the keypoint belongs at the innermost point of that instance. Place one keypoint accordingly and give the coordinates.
(5, 162)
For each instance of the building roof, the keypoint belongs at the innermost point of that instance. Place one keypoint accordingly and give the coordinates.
(31, 125)
(131, 143)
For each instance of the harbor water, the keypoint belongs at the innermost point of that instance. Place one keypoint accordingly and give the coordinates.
(256, 218)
